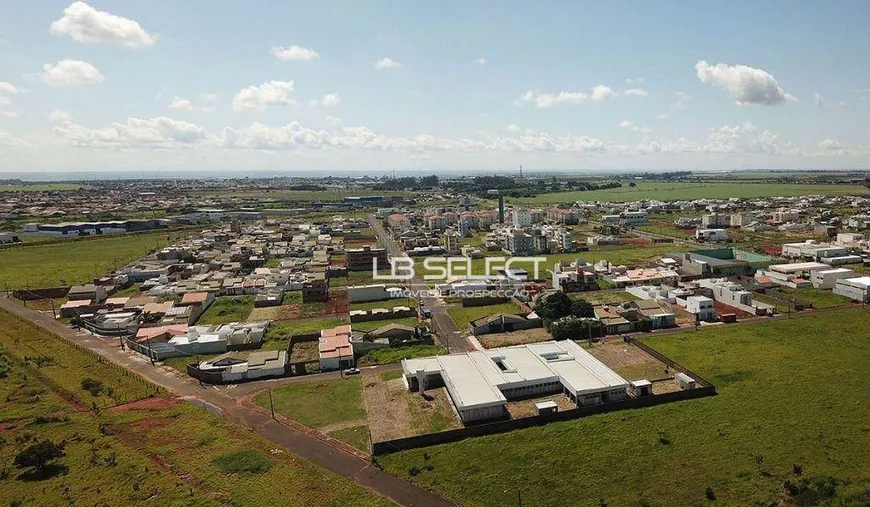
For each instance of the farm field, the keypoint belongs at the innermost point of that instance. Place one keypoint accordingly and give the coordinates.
(789, 426)
(669, 191)
(156, 449)
(76, 261)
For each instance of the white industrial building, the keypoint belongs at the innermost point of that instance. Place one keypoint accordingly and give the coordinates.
(827, 278)
(481, 382)
(856, 289)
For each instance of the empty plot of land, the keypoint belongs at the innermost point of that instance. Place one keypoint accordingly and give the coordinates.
(394, 412)
(526, 408)
(632, 363)
(495, 340)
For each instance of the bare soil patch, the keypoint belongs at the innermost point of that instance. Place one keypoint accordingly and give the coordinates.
(494, 340)
(292, 311)
(266, 313)
(155, 403)
(526, 408)
(388, 414)
(630, 362)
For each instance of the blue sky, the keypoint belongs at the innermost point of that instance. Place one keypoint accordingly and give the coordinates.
(481, 85)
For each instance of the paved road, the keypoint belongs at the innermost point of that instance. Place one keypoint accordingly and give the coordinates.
(299, 442)
(445, 328)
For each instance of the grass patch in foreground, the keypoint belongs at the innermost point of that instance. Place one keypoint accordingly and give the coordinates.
(396, 354)
(317, 404)
(390, 375)
(791, 392)
(248, 461)
(357, 437)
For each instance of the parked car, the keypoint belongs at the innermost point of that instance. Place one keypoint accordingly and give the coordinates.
(351, 371)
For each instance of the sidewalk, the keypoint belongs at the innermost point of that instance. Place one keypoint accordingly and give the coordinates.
(319, 452)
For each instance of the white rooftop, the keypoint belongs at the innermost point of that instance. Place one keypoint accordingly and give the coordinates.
(796, 267)
(861, 281)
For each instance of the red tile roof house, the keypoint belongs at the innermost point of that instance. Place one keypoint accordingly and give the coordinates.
(335, 348)
(198, 303)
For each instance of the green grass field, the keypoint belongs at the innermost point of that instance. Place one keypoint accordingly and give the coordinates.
(318, 404)
(396, 354)
(668, 191)
(357, 436)
(76, 261)
(792, 398)
(58, 363)
(226, 309)
(820, 298)
(158, 451)
(462, 315)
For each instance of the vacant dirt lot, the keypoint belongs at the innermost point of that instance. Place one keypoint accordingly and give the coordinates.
(393, 412)
(628, 361)
(261, 314)
(526, 408)
(495, 340)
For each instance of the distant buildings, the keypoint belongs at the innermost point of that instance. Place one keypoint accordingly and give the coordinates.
(363, 259)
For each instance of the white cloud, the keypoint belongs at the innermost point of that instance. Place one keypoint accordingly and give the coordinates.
(544, 100)
(254, 99)
(331, 99)
(480, 61)
(635, 92)
(293, 53)
(180, 103)
(818, 100)
(88, 25)
(602, 93)
(746, 85)
(70, 73)
(386, 63)
(208, 109)
(208, 97)
(333, 122)
(512, 128)
(626, 124)
(663, 116)
(7, 90)
(160, 132)
(60, 116)
(634, 80)
(8, 114)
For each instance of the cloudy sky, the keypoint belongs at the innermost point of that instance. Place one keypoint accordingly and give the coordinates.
(345, 85)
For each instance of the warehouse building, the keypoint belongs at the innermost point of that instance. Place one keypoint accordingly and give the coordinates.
(827, 278)
(856, 289)
(480, 383)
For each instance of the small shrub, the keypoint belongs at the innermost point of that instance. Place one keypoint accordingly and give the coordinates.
(709, 494)
(253, 462)
(93, 386)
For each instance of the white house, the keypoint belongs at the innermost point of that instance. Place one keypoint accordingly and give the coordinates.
(701, 306)
(711, 234)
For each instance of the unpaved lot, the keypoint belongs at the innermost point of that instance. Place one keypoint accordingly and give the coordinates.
(394, 412)
(494, 340)
(526, 408)
(630, 362)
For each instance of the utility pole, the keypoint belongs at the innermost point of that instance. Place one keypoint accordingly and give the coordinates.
(271, 405)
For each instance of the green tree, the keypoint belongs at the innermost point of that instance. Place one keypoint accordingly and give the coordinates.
(553, 306)
(582, 308)
(39, 455)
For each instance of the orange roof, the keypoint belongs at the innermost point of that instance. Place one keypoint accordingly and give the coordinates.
(335, 342)
(194, 297)
(148, 333)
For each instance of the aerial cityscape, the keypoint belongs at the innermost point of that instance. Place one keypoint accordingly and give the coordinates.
(434, 254)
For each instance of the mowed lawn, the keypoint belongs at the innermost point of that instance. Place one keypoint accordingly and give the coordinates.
(317, 404)
(792, 406)
(76, 261)
(670, 191)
